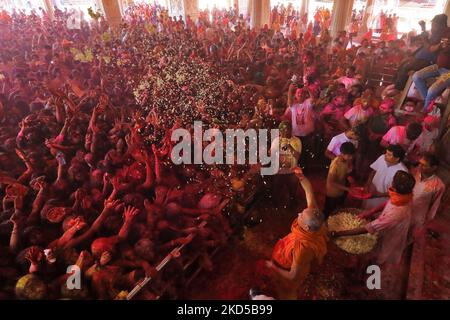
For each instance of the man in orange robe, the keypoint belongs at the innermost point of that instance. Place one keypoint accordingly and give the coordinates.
(303, 248)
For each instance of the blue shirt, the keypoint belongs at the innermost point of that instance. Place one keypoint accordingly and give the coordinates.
(425, 53)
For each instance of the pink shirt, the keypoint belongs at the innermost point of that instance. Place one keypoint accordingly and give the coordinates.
(392, 228)
(397, 135)
(348, 82)
(425, 140)
(333, 111)
(427, 195)
(358, 115)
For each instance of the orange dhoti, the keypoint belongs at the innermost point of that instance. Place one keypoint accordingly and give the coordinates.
(309, 248)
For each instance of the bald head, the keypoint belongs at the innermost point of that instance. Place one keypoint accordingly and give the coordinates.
(310, 219)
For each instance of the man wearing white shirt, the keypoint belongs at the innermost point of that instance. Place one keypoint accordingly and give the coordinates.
(301, 115)
(299, 112)
(380, 179)
(351, 135)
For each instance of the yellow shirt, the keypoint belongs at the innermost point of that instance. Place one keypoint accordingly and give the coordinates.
(287, 161)
(339, 169)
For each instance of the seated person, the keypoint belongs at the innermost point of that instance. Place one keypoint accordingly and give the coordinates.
(441, 70)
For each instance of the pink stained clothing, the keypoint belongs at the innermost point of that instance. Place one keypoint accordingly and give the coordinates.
(427, 196)
(332, 118)
(302, 118)
(425, 140)
(397, 135)
(333, 111)
(348, 82)
(358, 115)
(392, 227)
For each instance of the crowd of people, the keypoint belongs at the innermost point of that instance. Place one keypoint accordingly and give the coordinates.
(87, 115)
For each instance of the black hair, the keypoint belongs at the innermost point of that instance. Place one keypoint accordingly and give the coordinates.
(432, 160)
(347, 148)
(397, 151)
(403, 182)
(358, 130)
(360, 87)
(413, 130)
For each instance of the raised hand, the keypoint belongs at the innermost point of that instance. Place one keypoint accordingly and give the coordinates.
(115, 183)
(38, 183)
(79, 224)
(130, 212)
(110, 204)
(34, 255)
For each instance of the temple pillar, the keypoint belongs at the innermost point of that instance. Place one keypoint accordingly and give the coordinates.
(447, 8)
(49, 8)
(191, 9)
(259, 13)
(112, 12)
(341, 16)
(304, 8)
(367, 14)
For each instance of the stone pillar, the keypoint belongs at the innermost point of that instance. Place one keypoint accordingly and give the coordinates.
(265, 12)
(191, 9)
(49, 8)
(259, 13)
(112, 12)
(243, 7)
(367, 14)
(341, 16)
(304, 8)
(447, 8)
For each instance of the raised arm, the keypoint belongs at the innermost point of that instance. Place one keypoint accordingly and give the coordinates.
(291, 92)
(14, 240)
(129, 214)
(42, 187)
(108, 208)
(306, 185)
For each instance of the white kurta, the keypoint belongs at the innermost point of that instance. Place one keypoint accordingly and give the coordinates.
(427, 195)
(382, 180)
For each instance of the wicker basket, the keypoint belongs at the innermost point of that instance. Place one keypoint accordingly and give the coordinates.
(360, 244)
